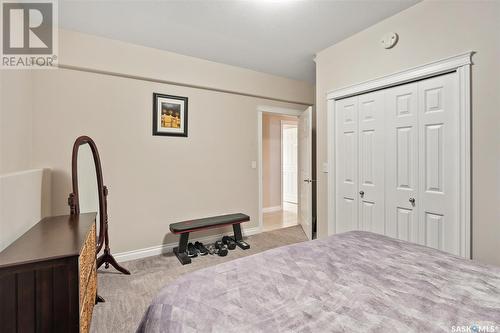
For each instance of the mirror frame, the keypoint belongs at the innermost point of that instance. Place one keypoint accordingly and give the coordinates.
(73, 199)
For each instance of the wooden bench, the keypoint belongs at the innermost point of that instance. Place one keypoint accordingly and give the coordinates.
(185, 227)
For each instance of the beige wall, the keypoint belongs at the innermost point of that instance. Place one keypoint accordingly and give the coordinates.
(271, 158)
(15, 120)
(24, 192)
(153, 180)
(430, 31)
(97, 53)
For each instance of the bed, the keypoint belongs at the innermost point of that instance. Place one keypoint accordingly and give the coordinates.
(355, 281)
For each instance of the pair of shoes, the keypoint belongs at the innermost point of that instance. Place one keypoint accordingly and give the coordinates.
(193, 250)
(221, 248)
(229, 242)
(216, 251)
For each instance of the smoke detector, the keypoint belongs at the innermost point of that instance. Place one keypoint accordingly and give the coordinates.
(389, 40)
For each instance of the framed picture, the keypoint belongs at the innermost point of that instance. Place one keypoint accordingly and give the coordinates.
(170, 115)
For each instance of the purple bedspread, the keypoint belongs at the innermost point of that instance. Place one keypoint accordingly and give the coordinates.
(350, 282)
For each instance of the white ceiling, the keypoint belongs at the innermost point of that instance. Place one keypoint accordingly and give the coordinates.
(276, 37)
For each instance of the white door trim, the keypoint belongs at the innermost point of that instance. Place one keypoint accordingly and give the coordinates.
(461, 64)
(260, 110)
(434, 68)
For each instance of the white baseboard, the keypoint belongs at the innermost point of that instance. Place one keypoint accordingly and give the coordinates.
(271, 209)
(166, 248)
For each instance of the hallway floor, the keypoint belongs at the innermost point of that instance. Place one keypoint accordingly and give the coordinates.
(287, 217)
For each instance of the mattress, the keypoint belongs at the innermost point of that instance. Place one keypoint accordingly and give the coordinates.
(351, 282)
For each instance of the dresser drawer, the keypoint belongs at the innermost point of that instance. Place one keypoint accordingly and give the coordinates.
(47, 277)
(87, 261)
(88, 301)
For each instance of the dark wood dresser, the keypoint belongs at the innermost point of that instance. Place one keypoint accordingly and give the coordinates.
(48, 277)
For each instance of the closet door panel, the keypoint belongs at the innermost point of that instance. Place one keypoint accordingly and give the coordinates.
(371, 162)
(438, 163)
(346, 132)
(401, 118)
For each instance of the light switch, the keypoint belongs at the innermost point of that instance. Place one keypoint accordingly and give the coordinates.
(254, 164)
(325, 167)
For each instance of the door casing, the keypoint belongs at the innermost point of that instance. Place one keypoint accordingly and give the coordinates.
(261, 109)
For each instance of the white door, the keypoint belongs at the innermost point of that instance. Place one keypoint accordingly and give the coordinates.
(403, 183)
(402, 162)
(305, 171)
(371, 162)
(346, 177)
(289, 157)
(438, 163)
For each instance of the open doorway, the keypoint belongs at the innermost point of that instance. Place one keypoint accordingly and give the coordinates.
(279, 205)
(279, 171)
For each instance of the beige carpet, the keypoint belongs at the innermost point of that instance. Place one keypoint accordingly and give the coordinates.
(128, 296)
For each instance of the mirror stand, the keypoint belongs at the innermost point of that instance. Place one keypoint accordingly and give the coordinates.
(107, 258)
(93, 197)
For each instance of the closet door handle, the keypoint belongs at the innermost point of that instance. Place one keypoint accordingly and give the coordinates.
(361, 193)
(412, 201)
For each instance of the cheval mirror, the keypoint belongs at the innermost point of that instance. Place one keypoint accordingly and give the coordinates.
(90, 195)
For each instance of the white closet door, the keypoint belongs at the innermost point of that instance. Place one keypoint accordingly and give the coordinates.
(402, 162)
(438, 163)
(399, 148)
(346, 113)
(371, 162)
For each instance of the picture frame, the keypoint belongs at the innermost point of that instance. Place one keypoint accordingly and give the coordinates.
(170, 115)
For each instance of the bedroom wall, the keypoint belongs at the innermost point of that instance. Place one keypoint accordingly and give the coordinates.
(24, 191)
(112, 56)
(429, 31)
(16, 125)
(271, 159)
(152, 180)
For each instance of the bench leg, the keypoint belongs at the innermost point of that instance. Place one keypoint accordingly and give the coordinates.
(237, 232)
(180, 251)
(238, 237)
